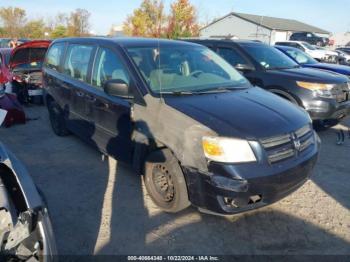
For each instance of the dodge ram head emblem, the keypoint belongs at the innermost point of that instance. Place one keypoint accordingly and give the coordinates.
(296, 142)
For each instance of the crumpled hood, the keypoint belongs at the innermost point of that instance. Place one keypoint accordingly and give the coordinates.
(309, 75)
(345, 70)
(251, 113)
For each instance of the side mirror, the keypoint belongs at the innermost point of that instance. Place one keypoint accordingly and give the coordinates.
(116, 87)
(244, 68)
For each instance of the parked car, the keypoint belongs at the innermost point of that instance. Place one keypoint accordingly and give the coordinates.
(11, 111)
(345, 57)
(331, 56)
(310, 38)
(344, 49)
(4, 42)
(183, 117)
(25, 64)
(5, 75)
(319, 55)
(306, 60)
(25, 228)
(325, 95)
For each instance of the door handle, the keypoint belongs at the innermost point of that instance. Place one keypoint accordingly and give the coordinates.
(103, 106)
(80, 94)
(90, 98)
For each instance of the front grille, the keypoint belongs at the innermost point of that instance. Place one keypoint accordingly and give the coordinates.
(279, 148)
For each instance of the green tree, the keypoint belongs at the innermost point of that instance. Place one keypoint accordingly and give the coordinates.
(147, 20)
(35, 29)
(13, 20)
(79, 23)
(182, 20)
(59, 32)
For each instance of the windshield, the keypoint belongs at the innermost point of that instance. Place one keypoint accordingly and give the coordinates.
(301, 57)
(308, 46)
(185, 69)
(269, 57)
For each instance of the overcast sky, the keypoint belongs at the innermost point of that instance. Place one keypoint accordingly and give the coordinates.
(332, 15)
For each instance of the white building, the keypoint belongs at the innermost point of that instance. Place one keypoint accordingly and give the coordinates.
(255, 27)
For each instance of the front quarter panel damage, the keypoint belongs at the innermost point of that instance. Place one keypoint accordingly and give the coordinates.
(165, 125)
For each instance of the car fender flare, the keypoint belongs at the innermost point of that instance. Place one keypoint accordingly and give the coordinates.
(285, 94)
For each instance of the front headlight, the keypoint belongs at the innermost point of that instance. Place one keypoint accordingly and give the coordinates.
(323, 90)
(227, 150)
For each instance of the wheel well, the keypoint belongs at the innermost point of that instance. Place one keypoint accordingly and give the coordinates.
(9, 180)
(286, 96)
(48, 99)
(142, 150)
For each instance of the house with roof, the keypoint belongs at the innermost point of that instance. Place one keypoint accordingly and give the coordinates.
(256, 27)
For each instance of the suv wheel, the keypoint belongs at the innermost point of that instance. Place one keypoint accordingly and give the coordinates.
(165, 181)
(57, 119)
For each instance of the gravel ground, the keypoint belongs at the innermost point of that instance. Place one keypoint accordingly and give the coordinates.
(100, 207)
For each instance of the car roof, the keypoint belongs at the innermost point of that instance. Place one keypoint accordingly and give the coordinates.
(283, 47)
(239, 42)
(126, 41)
(290, 41)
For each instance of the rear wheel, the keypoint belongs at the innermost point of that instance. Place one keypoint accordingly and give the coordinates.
(165, 181)
(58, 123)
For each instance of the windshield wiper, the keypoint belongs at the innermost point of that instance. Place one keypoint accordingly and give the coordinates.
(281, 68)
(178, 93)
(219, 90)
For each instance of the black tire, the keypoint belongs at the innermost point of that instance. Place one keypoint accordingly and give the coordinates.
(57, 121)
(165, 182)
(319, 43)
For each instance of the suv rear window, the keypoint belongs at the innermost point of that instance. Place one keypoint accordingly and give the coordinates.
(77, 61)
(54, 55)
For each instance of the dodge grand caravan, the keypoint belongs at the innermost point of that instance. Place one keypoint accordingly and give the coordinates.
(183, 117)
(325, 95)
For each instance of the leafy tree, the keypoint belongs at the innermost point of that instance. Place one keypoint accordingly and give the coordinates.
(79, 23)
(182, 20)
(35, 29)
(147, 20)
(59, 32)
(13, 20)
(2, 32)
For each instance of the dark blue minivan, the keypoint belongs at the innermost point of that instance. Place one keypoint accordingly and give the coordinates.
(184, 118)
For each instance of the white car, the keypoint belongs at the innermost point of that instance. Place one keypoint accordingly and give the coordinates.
(344, 55)
(317, 54)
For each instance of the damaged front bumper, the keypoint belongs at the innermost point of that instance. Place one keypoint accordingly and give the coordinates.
(25, 228)
(230, 189)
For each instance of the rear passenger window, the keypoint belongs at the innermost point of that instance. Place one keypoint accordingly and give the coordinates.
(54, 55)
(107, 67)
(77, 61)
(231, 56)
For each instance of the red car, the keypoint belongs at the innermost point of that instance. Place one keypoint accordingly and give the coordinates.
(5, 75)
(11, 111)
(25, 65)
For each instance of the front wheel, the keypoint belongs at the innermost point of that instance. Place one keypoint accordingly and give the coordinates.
(165, 181)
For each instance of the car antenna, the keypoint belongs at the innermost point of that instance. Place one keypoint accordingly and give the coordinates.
(159, 78)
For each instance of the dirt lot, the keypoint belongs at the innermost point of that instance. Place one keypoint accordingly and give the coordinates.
(101, 207)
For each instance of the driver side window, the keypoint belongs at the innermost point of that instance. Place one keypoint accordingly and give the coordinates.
(231, 56)
(107, 67)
